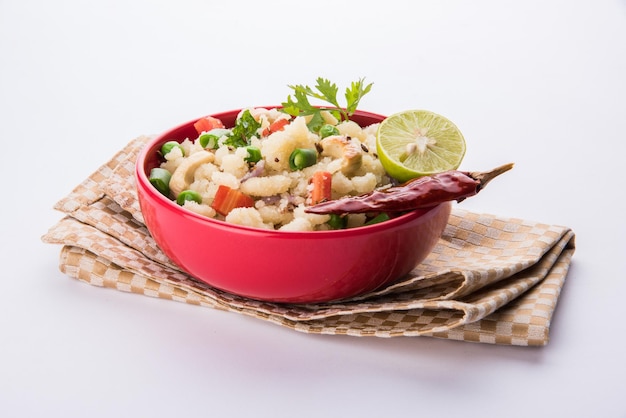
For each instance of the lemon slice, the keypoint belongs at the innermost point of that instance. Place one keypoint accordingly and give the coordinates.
(417, 143)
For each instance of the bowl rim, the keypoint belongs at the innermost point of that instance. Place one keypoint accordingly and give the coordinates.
(142, 182)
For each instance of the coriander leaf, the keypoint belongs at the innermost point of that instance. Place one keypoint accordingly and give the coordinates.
(290, 107)
(355, 93)
(316, 122)
(301, 105)
(327, 91)
(245, 128)
(310, 92)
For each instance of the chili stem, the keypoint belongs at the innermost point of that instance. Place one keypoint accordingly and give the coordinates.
(485, 177)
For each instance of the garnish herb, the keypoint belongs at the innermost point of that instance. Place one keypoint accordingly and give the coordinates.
(299, 104)
(245, 128)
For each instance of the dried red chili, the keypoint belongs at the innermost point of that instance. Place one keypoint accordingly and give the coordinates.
(419, 193)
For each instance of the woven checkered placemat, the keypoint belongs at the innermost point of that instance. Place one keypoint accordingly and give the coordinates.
(489, 279)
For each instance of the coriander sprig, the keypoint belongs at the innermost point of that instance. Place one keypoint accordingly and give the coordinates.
(326, 91)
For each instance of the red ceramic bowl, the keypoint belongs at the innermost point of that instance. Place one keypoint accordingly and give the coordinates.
(281, 266)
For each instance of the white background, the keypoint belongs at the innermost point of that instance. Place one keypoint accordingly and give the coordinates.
(539, 83)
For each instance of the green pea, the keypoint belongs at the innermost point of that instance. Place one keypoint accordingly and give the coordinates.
(186, 195)
(169, 146)
(209, 140)
(328, 130)
(160, 179)
(301, 158)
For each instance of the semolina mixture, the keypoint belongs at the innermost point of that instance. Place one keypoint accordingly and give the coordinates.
(276, 192)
